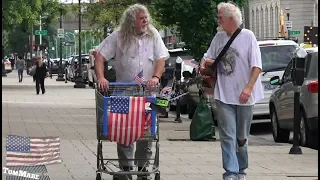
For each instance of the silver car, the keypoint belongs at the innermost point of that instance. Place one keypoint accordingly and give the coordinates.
(282, 103)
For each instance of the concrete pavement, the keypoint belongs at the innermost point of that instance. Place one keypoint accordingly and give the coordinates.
(70, 114)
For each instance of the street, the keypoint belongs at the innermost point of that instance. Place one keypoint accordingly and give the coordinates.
(70, 114)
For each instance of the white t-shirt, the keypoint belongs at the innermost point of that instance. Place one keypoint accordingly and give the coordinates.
(234, 70)
(142, 54)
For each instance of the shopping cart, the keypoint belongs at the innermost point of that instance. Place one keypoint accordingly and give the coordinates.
(103, 103)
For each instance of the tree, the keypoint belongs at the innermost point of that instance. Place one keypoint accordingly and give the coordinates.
(195, 21)
(107, 14)
(19, 16)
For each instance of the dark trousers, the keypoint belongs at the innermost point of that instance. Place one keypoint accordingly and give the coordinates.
(20, 75)
(40, 81)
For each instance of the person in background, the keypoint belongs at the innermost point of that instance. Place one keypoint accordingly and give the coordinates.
(20, 65)
(41, 73)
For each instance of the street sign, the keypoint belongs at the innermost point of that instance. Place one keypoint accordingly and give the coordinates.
(42, 32)
(289, 25)
(60, 33)
(294, 32)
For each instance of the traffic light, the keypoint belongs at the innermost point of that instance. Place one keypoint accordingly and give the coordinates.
(310, 35)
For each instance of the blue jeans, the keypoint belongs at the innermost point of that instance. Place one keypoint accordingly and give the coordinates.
(234, 126)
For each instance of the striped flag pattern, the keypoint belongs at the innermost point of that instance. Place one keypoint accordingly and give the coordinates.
(140, 78)
(127, 119)
(165, 91)
(31, 151)
(191, 63)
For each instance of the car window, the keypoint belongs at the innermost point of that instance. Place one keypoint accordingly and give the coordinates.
(274, 57)
(287, 73)
(85, 59)
(313, 67)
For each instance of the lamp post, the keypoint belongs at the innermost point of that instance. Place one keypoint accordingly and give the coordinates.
(79, 83)
(60, 71)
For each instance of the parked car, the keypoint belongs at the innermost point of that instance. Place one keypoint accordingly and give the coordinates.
(109, 70)
(275, 55)
(168, 75)
(73, 66)
(7, 66)
(281, 104)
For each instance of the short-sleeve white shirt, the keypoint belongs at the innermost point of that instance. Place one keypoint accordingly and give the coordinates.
(234, 69)
(142, 54)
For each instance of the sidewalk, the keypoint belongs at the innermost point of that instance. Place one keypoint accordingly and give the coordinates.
(11, 81)
(70, 114)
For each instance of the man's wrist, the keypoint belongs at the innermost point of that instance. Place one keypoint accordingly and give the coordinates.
(154, 76)
(250, 85)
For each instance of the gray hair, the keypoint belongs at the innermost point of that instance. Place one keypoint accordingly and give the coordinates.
(231, 10)
(127, 24)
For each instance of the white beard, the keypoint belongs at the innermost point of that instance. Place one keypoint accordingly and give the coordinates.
(219, 29)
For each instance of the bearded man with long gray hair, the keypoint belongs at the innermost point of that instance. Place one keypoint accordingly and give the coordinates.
(136, 47)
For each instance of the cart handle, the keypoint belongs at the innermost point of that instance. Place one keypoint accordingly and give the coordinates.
(123, 83)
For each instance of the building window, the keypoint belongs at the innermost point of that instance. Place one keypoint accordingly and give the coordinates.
(257, 23)
(267, 27)
(262, 24)
(272, 25)
(253, 25)
(277, 22)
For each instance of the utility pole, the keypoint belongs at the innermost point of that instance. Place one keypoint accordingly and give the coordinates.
(79, 83)
(60, 71)
(40, 51)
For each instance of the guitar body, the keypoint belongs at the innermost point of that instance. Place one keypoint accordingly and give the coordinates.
(208, 74)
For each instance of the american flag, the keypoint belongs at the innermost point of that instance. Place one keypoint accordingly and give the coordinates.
(139, 78)
(166, 90)
(191, 63)
(127, 119)
(30, 151)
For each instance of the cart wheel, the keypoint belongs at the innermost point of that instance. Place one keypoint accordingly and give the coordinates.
(98, 176)
(157, 176)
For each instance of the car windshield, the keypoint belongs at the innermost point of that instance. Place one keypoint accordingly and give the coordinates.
(275, 57)
(313, 71)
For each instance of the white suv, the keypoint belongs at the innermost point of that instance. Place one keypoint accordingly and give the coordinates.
(275, 56)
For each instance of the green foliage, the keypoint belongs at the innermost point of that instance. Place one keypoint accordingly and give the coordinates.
(20, 15)
(195, 20)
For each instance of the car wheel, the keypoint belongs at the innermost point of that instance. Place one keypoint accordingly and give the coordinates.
(191, 110)
(305, 137)
(184, 109)
(303, 132)
(172, 107)
(279, 135)
(90, 83)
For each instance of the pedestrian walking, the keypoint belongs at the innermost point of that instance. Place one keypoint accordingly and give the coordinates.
(238, 87)
(41, 73)
(20, 65)
(136, 47)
